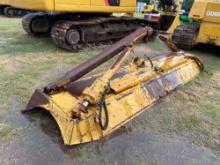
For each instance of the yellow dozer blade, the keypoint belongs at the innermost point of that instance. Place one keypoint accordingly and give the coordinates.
(91, 108)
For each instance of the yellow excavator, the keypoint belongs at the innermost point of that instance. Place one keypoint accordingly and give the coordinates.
(9, 11)
(89, 108)
(73, 24)
(201, 26)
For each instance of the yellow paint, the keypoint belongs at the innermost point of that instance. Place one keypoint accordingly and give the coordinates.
(198, 9)
(98, 6)
(207, 12)
(212, 12)
(44, 5)
(175, 23)
(209, 33)
(149, 8)
(201, 10)
(129, 98)
(94, 93)
(4, 2)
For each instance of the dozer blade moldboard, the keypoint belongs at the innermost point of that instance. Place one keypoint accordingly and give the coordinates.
(130, 90)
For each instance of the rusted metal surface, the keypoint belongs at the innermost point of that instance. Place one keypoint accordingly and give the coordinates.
(102, 57)
(167, 41)
(156, 88)
(76, 88)
(37, 98)
(159, 87)
(88, 109)
(132, 90)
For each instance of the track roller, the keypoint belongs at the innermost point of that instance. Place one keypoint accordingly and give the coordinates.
(9, 12)
(73, 37)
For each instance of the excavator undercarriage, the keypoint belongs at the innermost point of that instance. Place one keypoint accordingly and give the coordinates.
(12, 12)
(75, 31)
(89, 108)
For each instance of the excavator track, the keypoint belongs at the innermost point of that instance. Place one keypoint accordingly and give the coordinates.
(2, 9)
(14, 12)
(184, 36)
(76, 31)
(73, 35)
(37, 23)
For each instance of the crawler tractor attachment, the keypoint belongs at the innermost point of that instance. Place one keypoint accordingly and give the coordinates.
(90, 108)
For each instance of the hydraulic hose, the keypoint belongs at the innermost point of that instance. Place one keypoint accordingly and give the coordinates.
(102, 106)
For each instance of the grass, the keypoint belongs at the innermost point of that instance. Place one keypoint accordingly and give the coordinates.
(193, 110)
(6, 131)
(27, 63)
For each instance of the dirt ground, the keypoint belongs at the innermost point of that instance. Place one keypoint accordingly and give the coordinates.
(183, 128)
